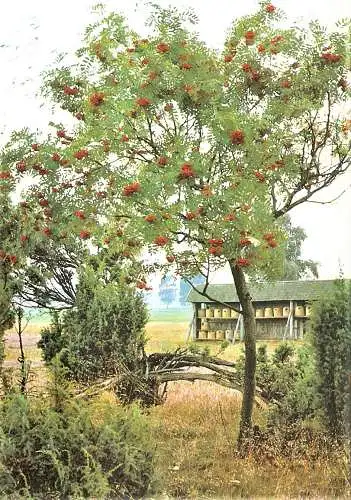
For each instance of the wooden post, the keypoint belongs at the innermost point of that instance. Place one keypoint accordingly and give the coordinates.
(291, 319)
(241, 327)
(193, 324)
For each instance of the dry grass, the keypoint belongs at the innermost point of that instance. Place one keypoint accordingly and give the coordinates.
(195, 432)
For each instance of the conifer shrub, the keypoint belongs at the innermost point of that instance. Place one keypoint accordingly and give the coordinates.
(67, 448)
(104, 331)
(331, 335)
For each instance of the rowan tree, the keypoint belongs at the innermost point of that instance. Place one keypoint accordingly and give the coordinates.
(188, 153)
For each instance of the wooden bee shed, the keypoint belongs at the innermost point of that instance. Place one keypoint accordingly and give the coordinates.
(282, 310)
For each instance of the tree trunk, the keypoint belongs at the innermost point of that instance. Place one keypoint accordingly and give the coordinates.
(250, 356)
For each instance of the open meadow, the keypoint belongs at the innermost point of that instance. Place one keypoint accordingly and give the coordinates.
(195, 432)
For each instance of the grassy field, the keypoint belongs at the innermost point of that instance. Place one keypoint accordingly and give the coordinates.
(195, 432)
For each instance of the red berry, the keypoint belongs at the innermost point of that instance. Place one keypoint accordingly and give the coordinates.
(150, 218)
(170, 258)
(55, 157)
(143, 102)
(61, 134)
(80, 214)
(216, 242)
(270, 8)
(186, 171)
(246, 68)
(228, 58)
(272, 243)
(132, 188)
(12, 259)
(47, 231)
(35, 147)
(259, 176)
(215, 250)
(237, 137)
(161, 241)
(21, 166)
(250, 37)
(97, 98)
(268, 236)
(84, 235)
(242, 262)
(162, 161)
(81, 154)
(70, 90)
(190, 215)
(162, 48)
(244, 242)
(43, 202)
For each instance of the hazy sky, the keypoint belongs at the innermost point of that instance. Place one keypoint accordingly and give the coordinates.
(33, 32)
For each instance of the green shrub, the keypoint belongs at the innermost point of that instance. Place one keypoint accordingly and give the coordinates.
(84, 450)
(332, 342)
(103, 331)
(52, 339)
(287, 379)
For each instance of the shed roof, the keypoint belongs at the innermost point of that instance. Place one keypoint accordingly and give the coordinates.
(268, 291)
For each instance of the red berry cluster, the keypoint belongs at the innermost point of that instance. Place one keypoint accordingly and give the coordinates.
(61, 134)
(97, 98)
(70, 90)
(191, 215)
(143, 286)
(328, 57)
(55, 157)
(270, 240)
(143, 102)
(162, 161)
(132, 188)
(242, 262)
(80, 214)
(161, 241)
(151, 218)
(162, 48)
(81, 154)
(12, 259)
(276, 165)
(168, 107)
(43, 202)
(245, 242)
(186, 171)
(270, 8)
(84, 235)
(216, 246)
(237, 137)
(250, 37)
(259, 176)
(21, 166)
